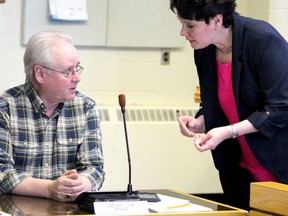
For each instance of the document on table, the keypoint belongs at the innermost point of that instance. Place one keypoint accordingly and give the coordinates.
(172, 204)
(4, 214)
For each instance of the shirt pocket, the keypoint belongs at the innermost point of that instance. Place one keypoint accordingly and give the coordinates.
(67, 148)
(25, 153)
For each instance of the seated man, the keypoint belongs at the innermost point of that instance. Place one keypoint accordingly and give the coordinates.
(50, 137)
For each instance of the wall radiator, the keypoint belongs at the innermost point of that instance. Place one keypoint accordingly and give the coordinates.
(161, 157)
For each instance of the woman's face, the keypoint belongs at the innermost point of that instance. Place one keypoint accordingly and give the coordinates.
(198, 33)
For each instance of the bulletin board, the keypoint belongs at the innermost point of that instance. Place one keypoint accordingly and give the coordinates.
(111, 23)
(85, 33)
(143, 23)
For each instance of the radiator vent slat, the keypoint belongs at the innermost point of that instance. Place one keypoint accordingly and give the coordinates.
(104, 115)
(145, 114)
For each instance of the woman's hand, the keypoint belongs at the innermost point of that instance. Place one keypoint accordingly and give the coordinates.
(189, 126)
(211, 140)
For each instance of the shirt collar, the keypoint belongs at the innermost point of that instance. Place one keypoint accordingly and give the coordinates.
(35, 100)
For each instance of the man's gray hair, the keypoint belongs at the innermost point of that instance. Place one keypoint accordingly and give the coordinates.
(38, 50)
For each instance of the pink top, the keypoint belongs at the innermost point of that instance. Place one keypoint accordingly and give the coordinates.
(228, 104)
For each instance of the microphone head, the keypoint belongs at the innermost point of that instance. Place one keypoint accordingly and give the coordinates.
(122, 100)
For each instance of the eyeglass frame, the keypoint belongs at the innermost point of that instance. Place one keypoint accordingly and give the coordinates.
(79, 69)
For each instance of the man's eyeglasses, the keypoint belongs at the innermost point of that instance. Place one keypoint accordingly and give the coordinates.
(69, 72)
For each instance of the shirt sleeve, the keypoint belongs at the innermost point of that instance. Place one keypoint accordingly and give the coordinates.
(9, 176)
(90, 155)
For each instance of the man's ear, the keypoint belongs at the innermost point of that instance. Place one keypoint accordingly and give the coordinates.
(39, 74)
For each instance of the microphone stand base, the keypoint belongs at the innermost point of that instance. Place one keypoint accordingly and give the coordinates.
(86, 199)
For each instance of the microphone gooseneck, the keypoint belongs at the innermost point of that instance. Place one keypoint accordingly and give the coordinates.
(122, 103)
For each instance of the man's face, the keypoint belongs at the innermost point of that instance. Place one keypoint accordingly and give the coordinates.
(57, 87)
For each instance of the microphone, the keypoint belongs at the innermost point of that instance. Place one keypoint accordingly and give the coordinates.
(86, 199)
(148, 196)
(122, 103)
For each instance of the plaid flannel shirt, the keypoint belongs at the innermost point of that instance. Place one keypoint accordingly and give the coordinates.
(34, 145)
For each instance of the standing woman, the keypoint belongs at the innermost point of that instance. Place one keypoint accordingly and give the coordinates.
(242, 65)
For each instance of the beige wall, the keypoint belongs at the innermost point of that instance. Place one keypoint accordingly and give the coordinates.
(137, 73)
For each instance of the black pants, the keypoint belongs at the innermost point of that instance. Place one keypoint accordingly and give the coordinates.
(236, 187)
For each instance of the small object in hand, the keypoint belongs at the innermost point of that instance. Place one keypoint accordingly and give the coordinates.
(197, 141)
(68, 196)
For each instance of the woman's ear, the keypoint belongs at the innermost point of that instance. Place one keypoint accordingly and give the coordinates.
(218, 21)
(39, 74)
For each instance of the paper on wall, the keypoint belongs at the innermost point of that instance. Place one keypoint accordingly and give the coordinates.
(68, 10)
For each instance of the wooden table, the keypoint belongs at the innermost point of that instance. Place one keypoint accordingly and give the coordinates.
(268, 198)
(21, 205)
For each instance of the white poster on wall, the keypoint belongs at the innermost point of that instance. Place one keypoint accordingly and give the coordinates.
(68, 10)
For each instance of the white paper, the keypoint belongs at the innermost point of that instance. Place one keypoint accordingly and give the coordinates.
(172, 204)
(121, 207)
(4, 213)
(68, 10)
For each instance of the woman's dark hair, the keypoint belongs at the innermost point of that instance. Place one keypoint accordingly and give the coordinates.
(204, 10)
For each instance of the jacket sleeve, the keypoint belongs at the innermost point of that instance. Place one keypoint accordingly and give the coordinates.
(270, 61)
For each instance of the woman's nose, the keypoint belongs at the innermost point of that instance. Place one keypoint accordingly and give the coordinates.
(183, 32)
